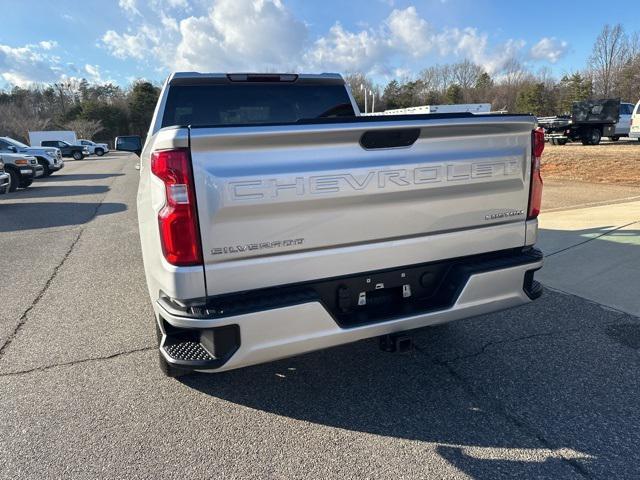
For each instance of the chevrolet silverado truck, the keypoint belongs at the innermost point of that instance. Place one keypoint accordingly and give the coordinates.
(275, 220)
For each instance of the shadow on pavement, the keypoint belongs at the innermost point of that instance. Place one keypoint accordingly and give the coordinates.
(61, 177)
(56, 191)
(39, 215)
(547, 390)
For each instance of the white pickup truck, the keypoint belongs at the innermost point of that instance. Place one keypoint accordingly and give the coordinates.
(275, 220)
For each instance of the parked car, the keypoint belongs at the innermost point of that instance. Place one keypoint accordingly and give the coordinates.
(78, 152)
(98, 149)
(5, 179)
(623, 127)
(50, 158)
(634, 130)
(307, 226)
(22, 169)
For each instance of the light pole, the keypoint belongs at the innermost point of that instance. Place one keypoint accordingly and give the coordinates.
(373, 101)
(363, 88)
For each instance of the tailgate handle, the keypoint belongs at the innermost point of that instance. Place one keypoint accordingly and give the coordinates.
(389, 138)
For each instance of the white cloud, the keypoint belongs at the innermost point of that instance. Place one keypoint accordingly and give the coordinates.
(263, 35)
(241, 34)
(342, 50)
(48, 44)
(29, 64)
(550, 49)
(93, 72)
(410, 32)
(129, 6)
(126, 45)
(472, 45)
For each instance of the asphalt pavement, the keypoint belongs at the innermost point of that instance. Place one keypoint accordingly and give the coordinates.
(548, 390)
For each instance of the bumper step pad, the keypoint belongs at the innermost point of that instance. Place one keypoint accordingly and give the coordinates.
(187, 351)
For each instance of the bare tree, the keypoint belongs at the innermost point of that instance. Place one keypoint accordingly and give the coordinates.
(85, 128)
(18, 121)
(466, 74)
(357, 83)
(610, 53)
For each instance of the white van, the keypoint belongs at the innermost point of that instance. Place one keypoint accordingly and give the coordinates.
(634, 131)
(624, 122)
(36, 138)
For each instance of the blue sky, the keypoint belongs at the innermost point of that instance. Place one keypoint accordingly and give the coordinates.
(127, 39)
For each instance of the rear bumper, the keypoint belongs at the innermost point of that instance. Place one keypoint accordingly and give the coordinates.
(218, 343)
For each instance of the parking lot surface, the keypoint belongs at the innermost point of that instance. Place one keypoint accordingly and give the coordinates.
(549, 390)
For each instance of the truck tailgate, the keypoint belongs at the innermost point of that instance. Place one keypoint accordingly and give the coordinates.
(284, 204)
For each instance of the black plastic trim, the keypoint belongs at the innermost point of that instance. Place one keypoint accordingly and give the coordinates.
(220, 344)
(531, 287)
(391, 138)
(449, 278)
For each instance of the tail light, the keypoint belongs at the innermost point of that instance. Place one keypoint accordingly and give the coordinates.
(535, 191)
(178, 220)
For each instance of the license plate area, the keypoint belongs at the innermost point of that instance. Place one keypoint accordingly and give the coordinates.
(383, 295)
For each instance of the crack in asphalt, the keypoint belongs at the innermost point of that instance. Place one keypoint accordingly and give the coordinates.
(23, 318)
(77, 362)
(486, 346)
(498, 407)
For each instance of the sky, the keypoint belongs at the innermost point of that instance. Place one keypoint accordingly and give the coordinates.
(121, 40)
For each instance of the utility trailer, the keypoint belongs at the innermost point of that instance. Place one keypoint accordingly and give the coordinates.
(589, 121)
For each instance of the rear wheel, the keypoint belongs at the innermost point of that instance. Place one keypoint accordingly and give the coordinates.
(591, 137)
(14, 180)
(77, 155)
(26, 183)
(99, 152)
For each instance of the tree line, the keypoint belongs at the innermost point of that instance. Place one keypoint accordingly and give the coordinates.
(102, 111)
(612, 71)
(98, 112)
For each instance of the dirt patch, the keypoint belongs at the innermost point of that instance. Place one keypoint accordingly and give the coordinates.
(609, 162)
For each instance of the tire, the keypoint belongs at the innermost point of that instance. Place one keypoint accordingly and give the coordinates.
(99, 152)
(47, 171)
(591, 137)
(562, 141)
(614, 139)
(168, 369)
(26, 183)
(165, 367)
(14, 180)
(553, 141)
(77, 155)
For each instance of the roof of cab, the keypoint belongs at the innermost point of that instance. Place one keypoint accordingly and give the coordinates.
(197, 78)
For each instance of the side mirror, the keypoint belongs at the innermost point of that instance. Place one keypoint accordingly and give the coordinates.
(13, 149)
(129, 143)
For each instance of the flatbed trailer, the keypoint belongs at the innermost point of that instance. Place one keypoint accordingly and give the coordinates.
(589, 122)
